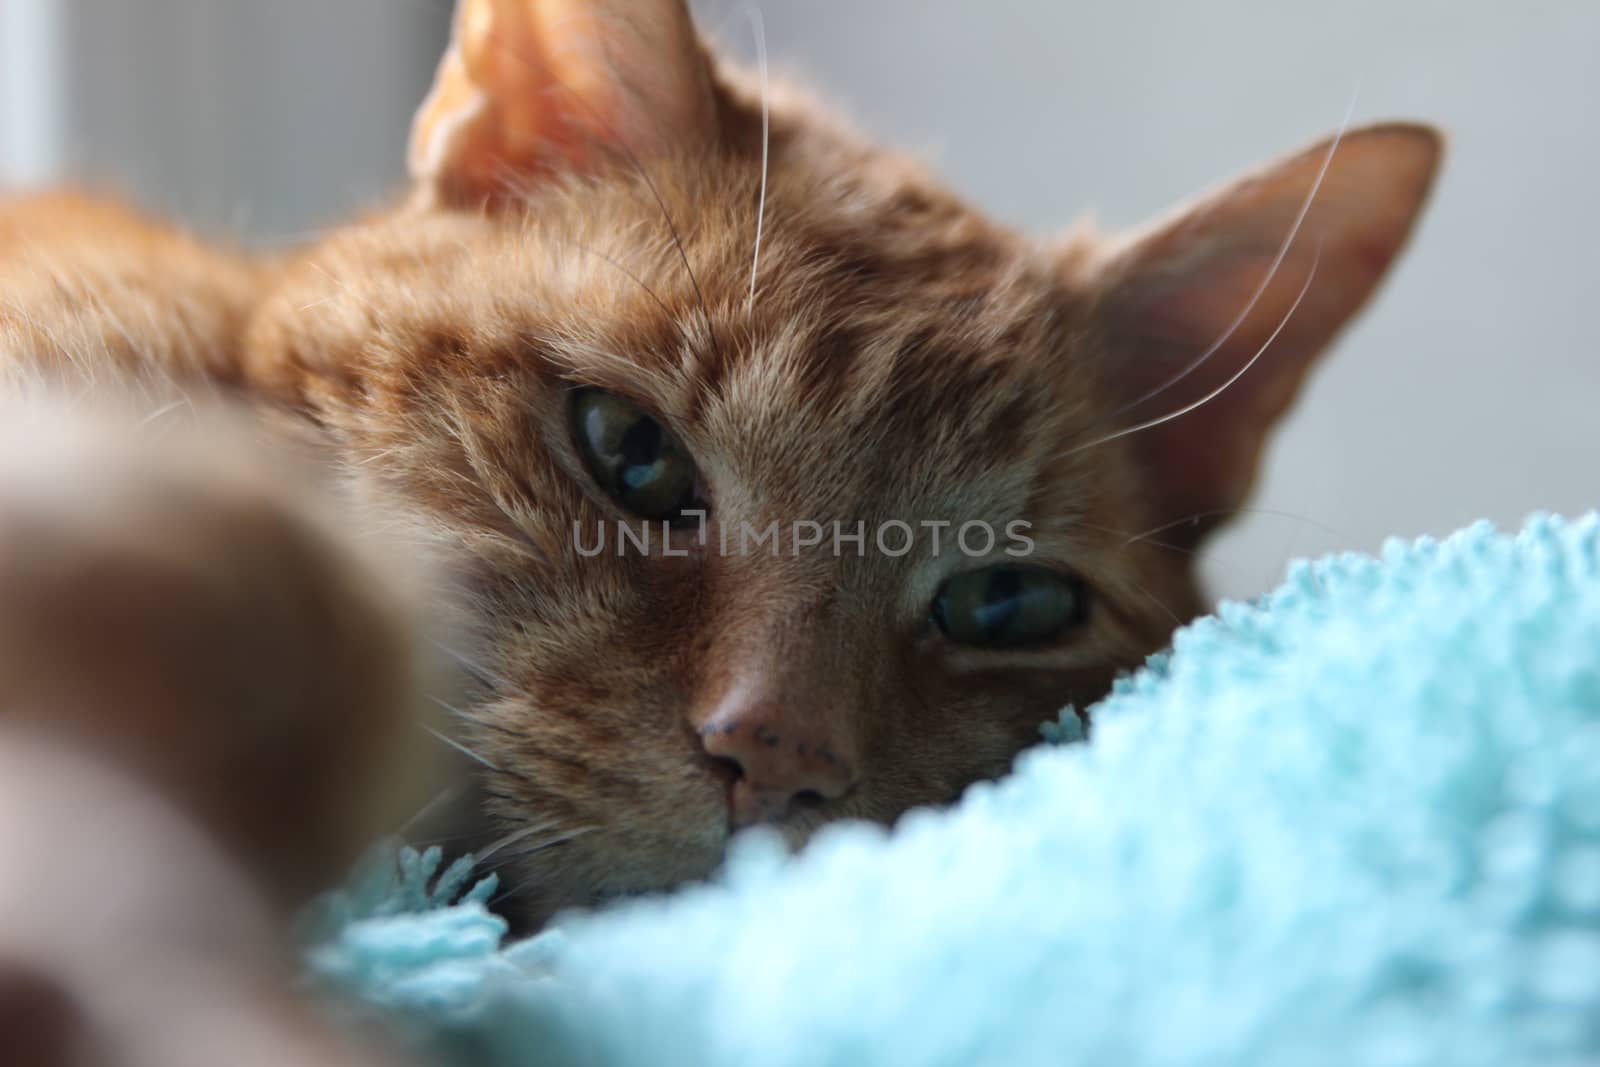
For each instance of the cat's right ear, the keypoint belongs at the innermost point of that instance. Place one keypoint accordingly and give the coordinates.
(534, 88)
(1213, 315)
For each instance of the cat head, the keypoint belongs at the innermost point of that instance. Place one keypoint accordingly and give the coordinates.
(910, 481)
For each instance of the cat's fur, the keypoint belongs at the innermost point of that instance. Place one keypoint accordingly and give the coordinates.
(900, 357)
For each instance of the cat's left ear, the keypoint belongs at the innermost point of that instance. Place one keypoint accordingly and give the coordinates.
(531, 88)
(1186, 304)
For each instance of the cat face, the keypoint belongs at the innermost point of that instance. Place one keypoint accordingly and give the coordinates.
(905, 478)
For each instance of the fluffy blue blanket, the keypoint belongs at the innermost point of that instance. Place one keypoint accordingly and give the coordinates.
(1356, 822)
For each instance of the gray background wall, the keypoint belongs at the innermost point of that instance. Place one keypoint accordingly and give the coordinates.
(1467, 390)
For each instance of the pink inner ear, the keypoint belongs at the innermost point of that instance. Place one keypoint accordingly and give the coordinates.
(529, 87)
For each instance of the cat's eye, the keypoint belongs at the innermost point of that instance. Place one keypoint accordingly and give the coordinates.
(1009, 606)
(634, 458)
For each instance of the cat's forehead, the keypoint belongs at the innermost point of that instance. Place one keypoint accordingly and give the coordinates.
(907, 385)
(884, 337)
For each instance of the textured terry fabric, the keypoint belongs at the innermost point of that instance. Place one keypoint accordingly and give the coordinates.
(1355, 822)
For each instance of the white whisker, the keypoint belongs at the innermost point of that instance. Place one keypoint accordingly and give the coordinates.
(163, 411)
(1272, 270)
(511, 839)
(445, 796)
(545, 843)
(1221, 512)
(451, 708)
(1173, 615)
(459, 747)
(760, 29)
(1219, 390)
(472, 667)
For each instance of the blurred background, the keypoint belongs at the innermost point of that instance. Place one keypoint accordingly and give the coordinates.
(1468, 390)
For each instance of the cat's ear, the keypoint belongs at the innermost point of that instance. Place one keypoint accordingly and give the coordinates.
(1188, 302)
(530, 88)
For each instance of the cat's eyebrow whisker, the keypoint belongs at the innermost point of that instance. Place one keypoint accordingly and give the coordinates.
(636, 280)
(1311, 275)
(758, 25)
(559, 85)
(650, 184)
(1272, 269)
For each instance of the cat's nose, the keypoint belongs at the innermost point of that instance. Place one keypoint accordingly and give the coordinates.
(780, 759)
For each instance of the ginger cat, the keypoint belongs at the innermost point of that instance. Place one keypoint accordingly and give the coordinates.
(630, 291)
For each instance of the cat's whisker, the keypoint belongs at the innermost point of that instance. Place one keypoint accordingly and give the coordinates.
(478, 671)
(441, 799)
(1222, 512)
(464, 716)
(759, 26)
(1192, 552)
(514, 837)
(450, 742)
(1147, 537)
(543, 845)
(522, 887)
(650, 184)
(1266, 281)
(166, 409)
(1176, 620)
(1311, 275)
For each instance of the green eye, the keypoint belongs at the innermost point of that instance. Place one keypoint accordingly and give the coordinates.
(634, 458)
(1009, 607)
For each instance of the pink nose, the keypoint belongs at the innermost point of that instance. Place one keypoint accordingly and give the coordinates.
(780, 762)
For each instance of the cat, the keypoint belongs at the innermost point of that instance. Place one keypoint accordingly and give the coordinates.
(633, 287)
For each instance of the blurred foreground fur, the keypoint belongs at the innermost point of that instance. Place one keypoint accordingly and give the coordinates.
(203, 684)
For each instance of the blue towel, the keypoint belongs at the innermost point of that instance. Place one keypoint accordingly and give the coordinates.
(1355, 822)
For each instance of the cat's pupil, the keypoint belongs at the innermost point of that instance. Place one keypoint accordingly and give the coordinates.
(1009, 606)
(642, 443)
(1001, 604)
(633, 457)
